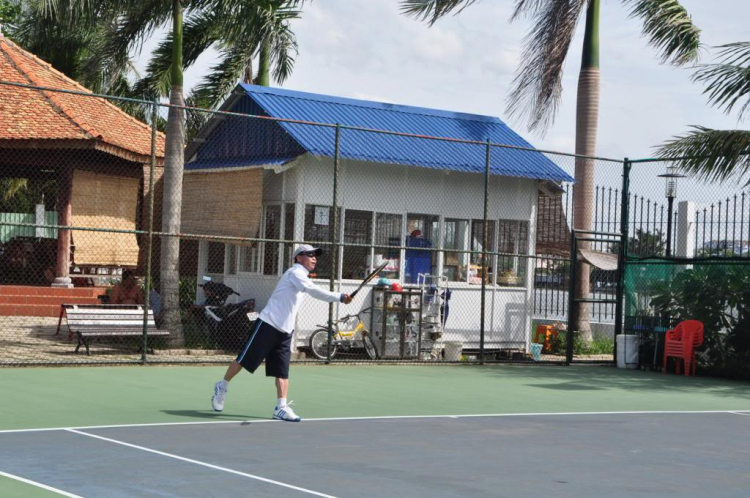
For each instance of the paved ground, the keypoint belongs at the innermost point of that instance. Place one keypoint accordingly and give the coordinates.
(34, 341)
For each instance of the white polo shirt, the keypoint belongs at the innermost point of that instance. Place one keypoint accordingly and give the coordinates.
(283, 305)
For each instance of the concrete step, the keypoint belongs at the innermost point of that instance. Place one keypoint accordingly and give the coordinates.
(29, 290)
(26, 300)
(47, 300)
(13, 310)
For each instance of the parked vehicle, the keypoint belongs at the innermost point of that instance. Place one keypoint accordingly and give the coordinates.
(226, 326)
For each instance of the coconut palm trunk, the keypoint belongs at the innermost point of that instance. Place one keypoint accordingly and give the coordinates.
(538, 84)
(587, 121)
(264, 64)
(172, 205)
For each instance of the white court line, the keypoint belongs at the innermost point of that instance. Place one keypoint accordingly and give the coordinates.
(39, 485)
(204, 464)
(741, 413)
(383, 417)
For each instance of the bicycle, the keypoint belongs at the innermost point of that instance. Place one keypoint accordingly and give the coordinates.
(344, 340)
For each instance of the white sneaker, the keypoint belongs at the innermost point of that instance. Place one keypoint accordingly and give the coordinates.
(285, 413)
(217, 400)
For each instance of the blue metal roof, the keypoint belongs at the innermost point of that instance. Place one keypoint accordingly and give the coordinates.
(284, 139)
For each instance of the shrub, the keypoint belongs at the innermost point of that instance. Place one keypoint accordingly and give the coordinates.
(719, 297)
(600, 345)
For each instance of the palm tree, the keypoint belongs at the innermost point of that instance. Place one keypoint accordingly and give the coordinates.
(717, 155)
(119, 25)
(538, 82)
(257, 29)
(240, 35)
(174, 161)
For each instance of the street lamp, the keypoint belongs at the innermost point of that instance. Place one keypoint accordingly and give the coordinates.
(670, 192)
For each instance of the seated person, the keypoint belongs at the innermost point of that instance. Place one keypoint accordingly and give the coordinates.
(127, 291)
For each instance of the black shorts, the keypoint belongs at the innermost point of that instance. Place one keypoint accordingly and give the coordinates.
(267, 343)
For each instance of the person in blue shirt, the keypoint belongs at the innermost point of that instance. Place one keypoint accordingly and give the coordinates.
(417, 261)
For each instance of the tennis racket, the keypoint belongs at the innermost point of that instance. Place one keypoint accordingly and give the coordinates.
(369, 277)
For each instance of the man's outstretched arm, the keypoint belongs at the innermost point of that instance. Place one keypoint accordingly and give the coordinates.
(306, 285)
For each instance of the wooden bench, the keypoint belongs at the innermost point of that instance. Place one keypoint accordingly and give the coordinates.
(106, 320)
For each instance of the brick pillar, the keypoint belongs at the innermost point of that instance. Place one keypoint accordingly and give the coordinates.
(64, 217)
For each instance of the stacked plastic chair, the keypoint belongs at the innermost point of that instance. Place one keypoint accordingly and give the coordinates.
(680, 343)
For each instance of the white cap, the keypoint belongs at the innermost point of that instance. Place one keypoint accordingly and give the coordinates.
(307, 248)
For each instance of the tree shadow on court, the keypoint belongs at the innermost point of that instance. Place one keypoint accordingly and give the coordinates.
(590, 377)
(212, 415)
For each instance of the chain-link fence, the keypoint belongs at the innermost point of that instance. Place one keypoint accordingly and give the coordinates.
(475, 236)
(688, 258)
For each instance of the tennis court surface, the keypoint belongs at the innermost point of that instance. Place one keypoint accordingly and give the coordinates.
(374, 431)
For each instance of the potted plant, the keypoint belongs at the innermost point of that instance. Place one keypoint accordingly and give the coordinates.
(507, 277)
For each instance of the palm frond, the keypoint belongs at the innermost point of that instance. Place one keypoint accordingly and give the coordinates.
(82, 9)
(538, 83)
(670, 29)
(432, 10)
(138, 23)
(215, 87)
(200, 31)
(527, 7)
(194, 119)
(251, 17)
(101, 70)
(712, 155)
(283, 51)
(222, 77)
(728, 82)
(11, 187)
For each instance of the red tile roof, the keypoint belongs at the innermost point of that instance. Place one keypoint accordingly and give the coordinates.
(52, 117)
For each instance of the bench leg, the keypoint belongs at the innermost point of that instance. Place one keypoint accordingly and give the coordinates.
(59, 322)
(85, 342)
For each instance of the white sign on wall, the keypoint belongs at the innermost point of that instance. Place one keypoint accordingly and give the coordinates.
(321, 215)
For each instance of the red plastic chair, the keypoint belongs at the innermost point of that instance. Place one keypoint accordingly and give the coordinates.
(680, 343)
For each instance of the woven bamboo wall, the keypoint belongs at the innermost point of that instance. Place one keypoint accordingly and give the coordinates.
(226, 203)
(108, 202)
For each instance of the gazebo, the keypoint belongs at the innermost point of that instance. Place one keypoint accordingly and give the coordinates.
(98, 155)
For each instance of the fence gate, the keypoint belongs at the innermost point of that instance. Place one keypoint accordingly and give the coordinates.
(602, 251)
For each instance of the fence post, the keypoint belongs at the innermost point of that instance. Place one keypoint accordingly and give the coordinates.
(485, 233)
(623, 253)
(334, 237)
(150, 236)
(572, 307)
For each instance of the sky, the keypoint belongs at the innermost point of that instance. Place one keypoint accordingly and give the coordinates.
(366, 49)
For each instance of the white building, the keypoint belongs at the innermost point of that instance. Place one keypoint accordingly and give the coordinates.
(259, 178)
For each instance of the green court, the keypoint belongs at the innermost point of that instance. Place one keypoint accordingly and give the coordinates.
(162, 405)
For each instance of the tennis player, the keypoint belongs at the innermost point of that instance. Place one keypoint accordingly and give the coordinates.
(271, 337)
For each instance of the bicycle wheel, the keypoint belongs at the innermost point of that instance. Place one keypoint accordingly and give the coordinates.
(319, 344)
(370, 348)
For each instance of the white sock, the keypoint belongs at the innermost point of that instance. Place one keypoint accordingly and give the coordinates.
(224, 385)
(281, 403)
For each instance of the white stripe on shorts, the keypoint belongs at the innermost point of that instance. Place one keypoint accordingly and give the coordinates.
(250, 341)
